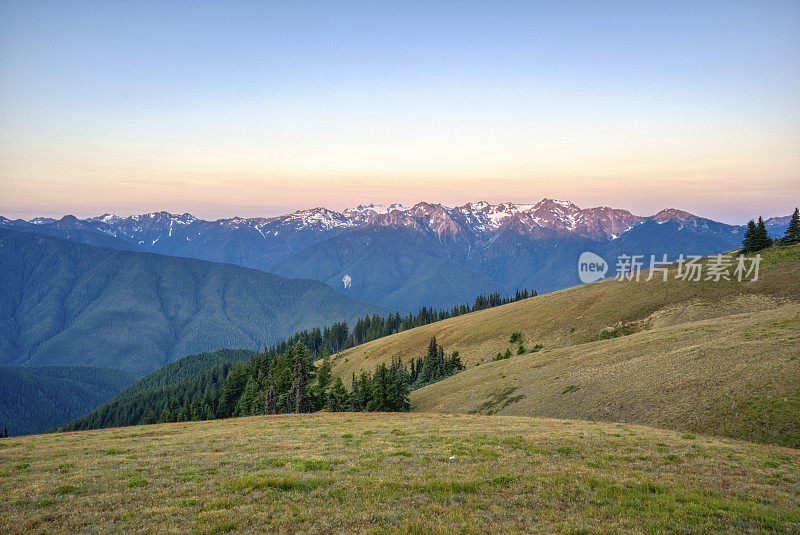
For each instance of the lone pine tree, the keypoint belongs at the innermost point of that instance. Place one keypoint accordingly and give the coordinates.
(749, 235)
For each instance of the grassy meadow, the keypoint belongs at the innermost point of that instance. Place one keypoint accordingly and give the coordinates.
(395, 473)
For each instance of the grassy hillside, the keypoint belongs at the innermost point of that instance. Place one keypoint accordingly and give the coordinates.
(395, 473)
(717, 357)
(35, 399)
(65, 303)
(737, 376)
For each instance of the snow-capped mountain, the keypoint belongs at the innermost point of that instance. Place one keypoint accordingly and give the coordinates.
(407, 257)
(363, 213)
(547, 217)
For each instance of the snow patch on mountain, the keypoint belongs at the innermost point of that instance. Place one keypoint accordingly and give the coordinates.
(319, 218)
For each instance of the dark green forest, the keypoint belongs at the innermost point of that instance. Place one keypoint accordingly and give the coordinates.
(186, 368)
(34, 399)
(338, 337)
(206, 371)
(197, 388)
(273, 383)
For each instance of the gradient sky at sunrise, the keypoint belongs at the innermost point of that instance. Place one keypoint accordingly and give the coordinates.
(259, 108)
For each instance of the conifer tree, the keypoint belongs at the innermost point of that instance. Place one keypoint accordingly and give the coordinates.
(150, 418)
(323, 381)
(249, 399)
(271, 400)
(748, 243)
(208, 408)
(300, 379)
(184, 413)
(380, 389)
(761, 239)
(338, 399)
(231, 390)
(792, 235)
(166, 415)
(400, 386)
(358, 397)
(196, 408)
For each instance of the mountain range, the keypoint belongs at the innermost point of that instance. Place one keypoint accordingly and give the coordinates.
(408, 257)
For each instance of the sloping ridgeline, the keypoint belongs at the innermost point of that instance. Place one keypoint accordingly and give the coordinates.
(34, 399)
(142, 401)
(186, 368)
(269, 382)
(65, 303)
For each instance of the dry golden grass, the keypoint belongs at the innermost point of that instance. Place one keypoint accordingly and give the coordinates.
(689, 376)
(715, 357)
(578, 315)
(395, 473)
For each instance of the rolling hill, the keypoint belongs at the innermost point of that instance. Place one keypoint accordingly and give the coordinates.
(65, 303)
(717, 357)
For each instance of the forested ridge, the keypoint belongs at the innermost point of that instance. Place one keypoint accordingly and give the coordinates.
(69, 304)
(274, 382)
(193, 375)
(338, 336)
(34, 399)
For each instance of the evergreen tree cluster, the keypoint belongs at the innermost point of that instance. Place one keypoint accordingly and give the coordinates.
(434, 366)
(283, 378)
(338, 337)
(385, 390)
(275, 383)
(756, 236)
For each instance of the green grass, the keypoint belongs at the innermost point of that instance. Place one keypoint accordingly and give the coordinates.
(137, 481)
(398, 473)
